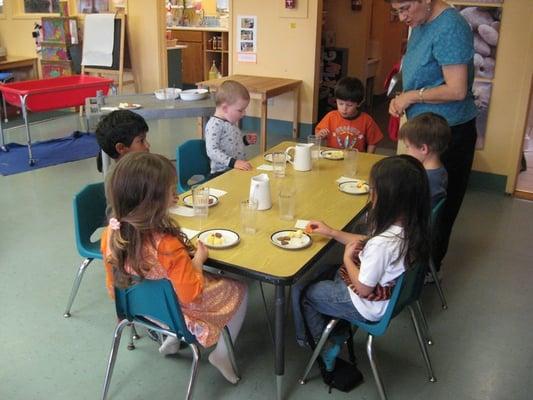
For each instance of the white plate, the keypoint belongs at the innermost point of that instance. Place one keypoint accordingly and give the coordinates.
(332, 154)
(213, 200)
(129, 106)
(293, 243)
(230, 238)
(354, 187)
(194, 94)
(268, 157)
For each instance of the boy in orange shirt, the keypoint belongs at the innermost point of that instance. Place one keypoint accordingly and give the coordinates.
(347, 127)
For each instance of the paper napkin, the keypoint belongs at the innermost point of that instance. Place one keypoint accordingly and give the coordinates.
(301, 223)
(217, 192)
(265, 167)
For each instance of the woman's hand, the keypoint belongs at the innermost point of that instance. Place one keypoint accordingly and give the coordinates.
(401, 102)
(318, 227)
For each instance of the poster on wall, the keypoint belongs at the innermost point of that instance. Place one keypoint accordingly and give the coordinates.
(485, 24)
(333, 66)
(482, 92)
(246, 39)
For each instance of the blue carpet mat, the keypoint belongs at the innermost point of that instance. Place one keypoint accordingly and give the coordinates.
(75, 147)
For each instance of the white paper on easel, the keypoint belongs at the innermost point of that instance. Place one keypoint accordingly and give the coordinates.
(98, 40)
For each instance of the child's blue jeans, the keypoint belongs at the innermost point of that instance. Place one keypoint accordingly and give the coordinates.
(325, 300)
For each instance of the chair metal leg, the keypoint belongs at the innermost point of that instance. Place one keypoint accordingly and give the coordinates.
(437, 284)
(113, 356)
(375, 371)
(76, 285)
(194, 370)
(231, 351)
(349, 344)
(424, 323)
(133, 335)
(422, 344)
(325, 334)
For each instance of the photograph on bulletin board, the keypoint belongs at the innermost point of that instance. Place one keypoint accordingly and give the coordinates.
(246, 39)
(93, 6)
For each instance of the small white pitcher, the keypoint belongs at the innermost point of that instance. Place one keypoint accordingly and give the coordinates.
(301, 161)
(260, 191)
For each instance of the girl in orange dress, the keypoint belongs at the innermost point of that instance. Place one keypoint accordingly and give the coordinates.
(142, 241)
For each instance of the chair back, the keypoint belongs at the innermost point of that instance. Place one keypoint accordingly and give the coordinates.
(435, 212)
(156, 300)
(89, 214)
(191, 159)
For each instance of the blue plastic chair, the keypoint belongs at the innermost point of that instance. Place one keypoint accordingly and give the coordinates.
(89, 215)
(156, 300)
(407, 290)
(191, 159)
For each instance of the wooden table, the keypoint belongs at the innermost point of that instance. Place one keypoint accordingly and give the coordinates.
(263, 88)
(15, 62)
(317, 197)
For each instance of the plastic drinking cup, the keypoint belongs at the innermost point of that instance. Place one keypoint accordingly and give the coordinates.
(316, 141)
(200, 201)
(350, 162)
(249, 216)
(286, 202)
(279, 162)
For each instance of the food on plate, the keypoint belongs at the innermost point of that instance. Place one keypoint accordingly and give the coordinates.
(215, 239)
(296, 234)
(334, 154)
(211, 201)
(310, 228)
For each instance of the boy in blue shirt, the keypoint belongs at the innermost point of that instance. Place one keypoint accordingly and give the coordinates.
(426, 136)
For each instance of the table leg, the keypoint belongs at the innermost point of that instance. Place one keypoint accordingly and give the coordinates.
(264, 119)
(279, 337)
(200, 124)
(295, 111)
(31, 161)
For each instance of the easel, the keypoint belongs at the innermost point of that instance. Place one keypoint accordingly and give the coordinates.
(120, 56)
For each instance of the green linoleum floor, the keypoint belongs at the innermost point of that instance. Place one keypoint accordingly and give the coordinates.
(482, 344)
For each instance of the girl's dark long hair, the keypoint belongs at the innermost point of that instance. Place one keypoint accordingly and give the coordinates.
(138, 191)
(400, 195)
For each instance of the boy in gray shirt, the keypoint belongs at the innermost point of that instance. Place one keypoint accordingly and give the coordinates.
(425, 137)
(224, 140)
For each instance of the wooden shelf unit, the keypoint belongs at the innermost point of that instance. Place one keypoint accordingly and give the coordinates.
(202, 48)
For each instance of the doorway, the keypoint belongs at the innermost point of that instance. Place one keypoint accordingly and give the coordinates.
(524, 179)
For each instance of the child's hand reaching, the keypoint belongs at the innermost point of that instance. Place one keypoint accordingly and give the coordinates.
(243, 165)
(318, 227)
(251, 138)
(324, 132)
(200, 255)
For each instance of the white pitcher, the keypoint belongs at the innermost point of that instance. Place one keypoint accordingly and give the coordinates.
(301, 161)
(260, 191)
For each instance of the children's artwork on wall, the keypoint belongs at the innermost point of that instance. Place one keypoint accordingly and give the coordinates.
(485, 23)
(482, 92)
(333, 67)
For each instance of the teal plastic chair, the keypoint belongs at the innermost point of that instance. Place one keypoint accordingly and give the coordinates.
(407, 291)
(142, 304)
(191, 160)
(89, 215)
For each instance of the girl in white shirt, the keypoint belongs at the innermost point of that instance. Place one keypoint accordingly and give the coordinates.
(399, 237)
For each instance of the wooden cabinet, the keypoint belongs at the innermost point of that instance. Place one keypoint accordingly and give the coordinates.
(202, 48)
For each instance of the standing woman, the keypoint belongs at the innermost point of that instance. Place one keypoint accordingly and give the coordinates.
(437, 74)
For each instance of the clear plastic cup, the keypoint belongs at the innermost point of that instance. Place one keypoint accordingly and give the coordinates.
(249, 216)
(316, 141)
(200, 201)
(287, 203)
(350, 162)
(279, 162)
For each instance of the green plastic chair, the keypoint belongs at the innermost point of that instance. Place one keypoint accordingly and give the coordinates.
(192, 160)
(435, 212)
(89, 215)
(155, 300)
(407, 290)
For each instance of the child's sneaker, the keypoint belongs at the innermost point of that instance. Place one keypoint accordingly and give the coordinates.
(171, 345)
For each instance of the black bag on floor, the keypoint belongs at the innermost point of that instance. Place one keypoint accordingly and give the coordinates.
(344, 377)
